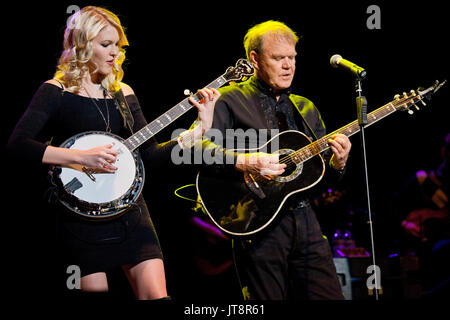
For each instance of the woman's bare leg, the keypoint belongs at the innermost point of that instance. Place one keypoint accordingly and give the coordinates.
(95, 282)
(147, 279)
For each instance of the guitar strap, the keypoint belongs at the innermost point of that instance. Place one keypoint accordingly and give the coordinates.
(302, 112)
(124, 109)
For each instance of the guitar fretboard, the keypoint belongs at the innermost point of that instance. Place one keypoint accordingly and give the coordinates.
(321, 144)
(167, 118)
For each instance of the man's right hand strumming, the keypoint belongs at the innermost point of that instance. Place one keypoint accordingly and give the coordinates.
(264, 164)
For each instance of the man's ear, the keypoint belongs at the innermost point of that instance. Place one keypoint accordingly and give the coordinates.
(254, 59)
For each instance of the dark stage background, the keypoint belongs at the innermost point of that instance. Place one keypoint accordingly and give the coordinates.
(175, 46)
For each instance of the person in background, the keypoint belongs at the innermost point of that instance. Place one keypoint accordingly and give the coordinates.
(423, 209)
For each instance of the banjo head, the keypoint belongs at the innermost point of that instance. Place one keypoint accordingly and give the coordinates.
(96, 194)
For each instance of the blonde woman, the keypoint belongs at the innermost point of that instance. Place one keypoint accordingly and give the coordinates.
(79, 99)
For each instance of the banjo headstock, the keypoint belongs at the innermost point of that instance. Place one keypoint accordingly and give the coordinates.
(242, 69)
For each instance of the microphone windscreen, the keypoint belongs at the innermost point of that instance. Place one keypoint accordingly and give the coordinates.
(334, 61)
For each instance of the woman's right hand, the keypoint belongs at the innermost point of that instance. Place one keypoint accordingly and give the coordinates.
(101, 157)
(264, 164)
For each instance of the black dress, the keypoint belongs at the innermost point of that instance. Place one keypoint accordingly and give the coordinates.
(55, 115)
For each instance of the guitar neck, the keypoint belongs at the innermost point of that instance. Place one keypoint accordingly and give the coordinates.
(167, 118)
(321, 144)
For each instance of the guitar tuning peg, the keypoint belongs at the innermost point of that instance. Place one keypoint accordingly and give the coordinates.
(187, 92)
(397, 96)
(405, 95)
(410, 111)
(423, 102)
(413, 92)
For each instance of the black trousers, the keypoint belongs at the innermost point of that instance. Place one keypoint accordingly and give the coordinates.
(291, 261)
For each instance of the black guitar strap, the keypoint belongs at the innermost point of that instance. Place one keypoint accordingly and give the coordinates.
(124, 109)
(302, 112)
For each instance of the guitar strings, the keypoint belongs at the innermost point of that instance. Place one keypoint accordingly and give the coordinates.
(349, 129)
(321, 145)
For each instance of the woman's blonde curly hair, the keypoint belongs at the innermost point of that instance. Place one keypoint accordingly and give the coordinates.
(82, 28)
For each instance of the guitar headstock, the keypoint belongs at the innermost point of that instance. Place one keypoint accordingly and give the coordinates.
(406, 101)
(243, 68)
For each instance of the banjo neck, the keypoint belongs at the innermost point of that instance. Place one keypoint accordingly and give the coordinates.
(167, 118)
(242, 69)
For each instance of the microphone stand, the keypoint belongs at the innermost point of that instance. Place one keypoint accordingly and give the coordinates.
(361, 105)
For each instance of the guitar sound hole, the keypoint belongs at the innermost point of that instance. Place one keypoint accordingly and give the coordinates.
(292, 169)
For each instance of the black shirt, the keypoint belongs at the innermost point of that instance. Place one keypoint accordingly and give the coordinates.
(252, 104)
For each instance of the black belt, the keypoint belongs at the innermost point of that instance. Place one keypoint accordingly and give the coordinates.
(303, 204)
(299, 204)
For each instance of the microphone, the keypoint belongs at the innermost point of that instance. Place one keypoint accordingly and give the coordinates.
(337, 61)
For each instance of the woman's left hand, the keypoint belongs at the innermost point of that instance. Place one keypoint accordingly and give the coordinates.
(206, 107)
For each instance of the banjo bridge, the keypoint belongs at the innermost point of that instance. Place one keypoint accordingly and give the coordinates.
(89, 173)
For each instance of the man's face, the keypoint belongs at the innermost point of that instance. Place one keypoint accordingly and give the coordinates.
(275, 64)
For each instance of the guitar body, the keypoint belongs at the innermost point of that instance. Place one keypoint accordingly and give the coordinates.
(242, 205)
(100, 195)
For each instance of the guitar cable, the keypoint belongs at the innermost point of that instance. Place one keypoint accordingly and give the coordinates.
(186, 198)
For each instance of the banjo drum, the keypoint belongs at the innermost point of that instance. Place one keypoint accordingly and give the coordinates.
(94, 194)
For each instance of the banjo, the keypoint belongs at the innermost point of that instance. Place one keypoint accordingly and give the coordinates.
(94, 194)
